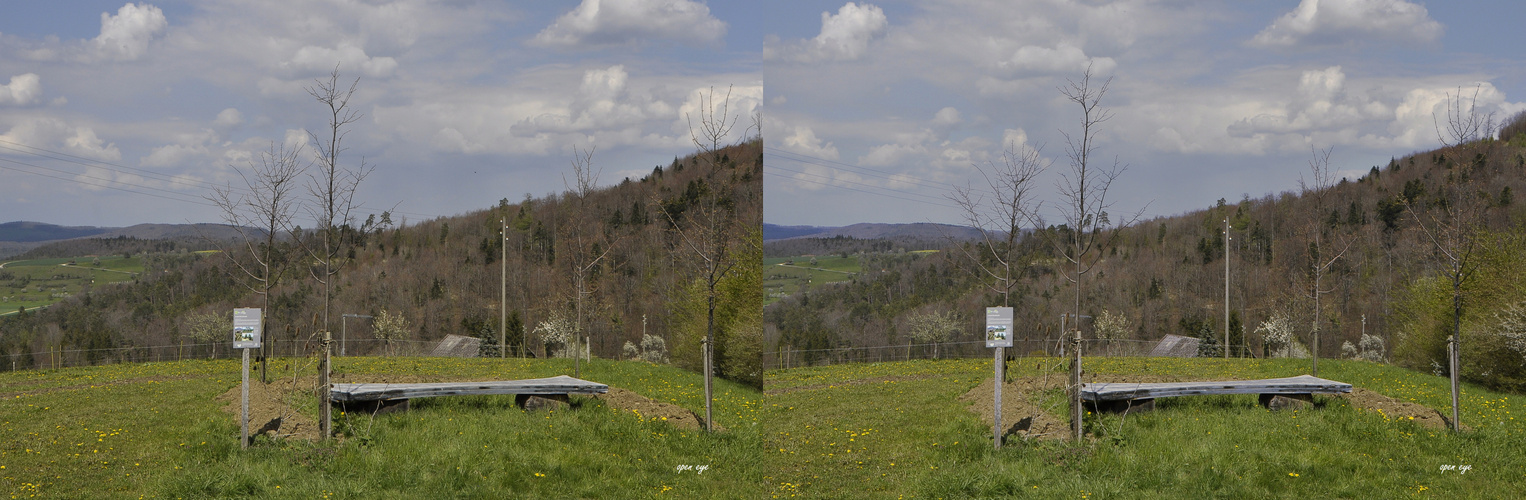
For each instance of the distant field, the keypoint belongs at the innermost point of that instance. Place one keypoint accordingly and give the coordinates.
(900, 430)
(155, 430)
(41, 282)
(785, 276)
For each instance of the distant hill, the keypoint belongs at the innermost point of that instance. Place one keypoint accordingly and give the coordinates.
(35, 238)
(873, 231)
(31, 232)
(773, 232)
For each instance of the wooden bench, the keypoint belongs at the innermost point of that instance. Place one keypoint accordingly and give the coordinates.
(1123, 397)
(382, 398)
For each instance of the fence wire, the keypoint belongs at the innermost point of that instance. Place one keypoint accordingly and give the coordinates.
(794, 358)
(287, 348)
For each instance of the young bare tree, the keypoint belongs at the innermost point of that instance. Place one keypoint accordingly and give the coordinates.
(999, 211)
(265, 204)
(1084, 208)
(1455, 224)
(332, 187)
(588, 243)
(710, 227)
(1319, 189)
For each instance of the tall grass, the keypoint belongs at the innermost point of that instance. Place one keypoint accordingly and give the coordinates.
(910, 437)
(154, 430)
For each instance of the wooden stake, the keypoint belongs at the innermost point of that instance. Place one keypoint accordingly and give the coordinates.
(1000, 356)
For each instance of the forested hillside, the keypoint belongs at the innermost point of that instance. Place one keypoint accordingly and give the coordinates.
(609, 263)
(1382, 236)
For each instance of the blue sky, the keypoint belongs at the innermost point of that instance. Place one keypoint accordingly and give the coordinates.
(464, 102)
(875, 110)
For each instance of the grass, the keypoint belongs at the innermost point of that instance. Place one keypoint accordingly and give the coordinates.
(154, 430)
(891, 430)
(785, 276)
(41, 282)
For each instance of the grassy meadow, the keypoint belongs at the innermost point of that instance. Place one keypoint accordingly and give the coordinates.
(154, 430)
(40, 282)
(784, 276)
(898, 430)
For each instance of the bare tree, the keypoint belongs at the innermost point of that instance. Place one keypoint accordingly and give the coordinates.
(589, 246)
(1455, 225)
(999, 211)
(710, 228)
(264, 204)
(332, 187)
(1319, 188)
(1084, 209)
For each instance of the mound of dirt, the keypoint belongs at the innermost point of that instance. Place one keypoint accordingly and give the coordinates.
(624, 400)
(1020, 412)
(1368, 400)
(269, 414)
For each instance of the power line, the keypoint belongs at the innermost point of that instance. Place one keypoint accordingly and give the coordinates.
(69, 179)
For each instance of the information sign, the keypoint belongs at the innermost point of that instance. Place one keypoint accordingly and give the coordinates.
(247, 329)
(998, 327)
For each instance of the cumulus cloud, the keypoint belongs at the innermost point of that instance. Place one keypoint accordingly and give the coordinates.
(1335, 22)
(125, 36)
(596, 23)
(844, 36)
(346, 55)
(24, 89)
(803, 140)
(53, 133)
(228, 118)
(1063, 58)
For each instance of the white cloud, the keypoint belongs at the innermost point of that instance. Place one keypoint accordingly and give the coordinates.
(53, 133)
(804, 141)
(346, 56)
(595, 23)
(125, 36)
(844, 36)
(229, 117)
(1063, 58)
(946, 117)
(1335, 22)
(24, 89)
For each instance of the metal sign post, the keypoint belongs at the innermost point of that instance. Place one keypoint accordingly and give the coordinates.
(999, 336)
(247, 332)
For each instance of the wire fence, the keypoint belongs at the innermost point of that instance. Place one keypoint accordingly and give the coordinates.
(60, 357)
(794, 358)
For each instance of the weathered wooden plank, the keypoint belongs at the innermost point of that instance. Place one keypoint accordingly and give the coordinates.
(561, 384)
(1302, 384)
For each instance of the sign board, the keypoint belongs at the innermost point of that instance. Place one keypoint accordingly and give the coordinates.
(247, 329)
(998, 327)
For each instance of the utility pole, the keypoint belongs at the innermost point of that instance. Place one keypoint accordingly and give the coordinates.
(1226, 287)
(503, 293)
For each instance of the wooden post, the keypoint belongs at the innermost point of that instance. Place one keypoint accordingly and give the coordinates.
(244, 416)
(1000, 357)
(1452, 360)
(1075, 385)
(707, 385)
(324, 396)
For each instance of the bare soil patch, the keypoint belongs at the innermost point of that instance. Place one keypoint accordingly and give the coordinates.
(269, 411)
(1021, 414)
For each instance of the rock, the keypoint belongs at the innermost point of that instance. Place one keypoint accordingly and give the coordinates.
(537, 402)
(1278, 402)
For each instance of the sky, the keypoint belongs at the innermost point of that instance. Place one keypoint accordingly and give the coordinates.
(875, 111)
(116, 113)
